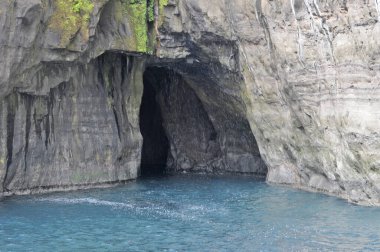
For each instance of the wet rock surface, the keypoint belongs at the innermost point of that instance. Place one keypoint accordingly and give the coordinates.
(287, 88)
(76, 133)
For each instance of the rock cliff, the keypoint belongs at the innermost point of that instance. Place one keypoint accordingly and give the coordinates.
(100, 91)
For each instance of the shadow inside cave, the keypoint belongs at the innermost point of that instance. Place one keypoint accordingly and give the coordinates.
(155, 142)
(183, 133)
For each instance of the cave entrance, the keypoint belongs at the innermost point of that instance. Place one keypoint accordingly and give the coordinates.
(182, 133)
(155, 147)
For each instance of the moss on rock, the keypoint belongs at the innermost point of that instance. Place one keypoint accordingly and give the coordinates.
(71, 17)
(151, 11)
(136, 11)
(162, 5)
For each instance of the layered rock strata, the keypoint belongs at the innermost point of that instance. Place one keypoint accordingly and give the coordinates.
(287, 88)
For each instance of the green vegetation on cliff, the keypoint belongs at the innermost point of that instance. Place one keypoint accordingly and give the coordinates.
(136, 11)
(69, 17)
(83, 6)
(151, 10)
(163, 3)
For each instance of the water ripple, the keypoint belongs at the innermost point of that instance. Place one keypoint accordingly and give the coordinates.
(187, 214)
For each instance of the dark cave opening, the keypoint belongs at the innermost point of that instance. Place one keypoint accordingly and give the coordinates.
(155, 142)
(183, 133)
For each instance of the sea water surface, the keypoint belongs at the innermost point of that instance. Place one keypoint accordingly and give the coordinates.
(187, 213)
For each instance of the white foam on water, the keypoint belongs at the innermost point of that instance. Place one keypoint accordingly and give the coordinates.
(150, 208)
(91, 201)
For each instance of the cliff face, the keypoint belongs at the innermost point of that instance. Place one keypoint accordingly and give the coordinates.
(284, 88)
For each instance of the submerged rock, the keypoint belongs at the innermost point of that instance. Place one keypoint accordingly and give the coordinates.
(284, 88)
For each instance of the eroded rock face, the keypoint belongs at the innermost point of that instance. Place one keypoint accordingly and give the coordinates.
(310, 84)
(295, 82)
(82, 131)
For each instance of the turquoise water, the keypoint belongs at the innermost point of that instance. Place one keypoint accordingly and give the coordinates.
(187, 213)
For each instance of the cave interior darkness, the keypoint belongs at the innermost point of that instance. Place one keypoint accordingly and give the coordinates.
(172, 114)
(155, 148)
